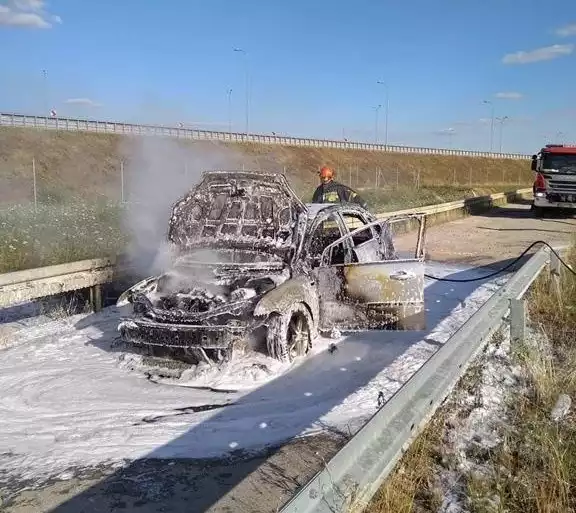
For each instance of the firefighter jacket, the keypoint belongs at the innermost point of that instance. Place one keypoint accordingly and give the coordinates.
(334, 192)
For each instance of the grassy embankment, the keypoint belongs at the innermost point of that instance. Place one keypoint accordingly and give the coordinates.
(79, 185)
(533, 467)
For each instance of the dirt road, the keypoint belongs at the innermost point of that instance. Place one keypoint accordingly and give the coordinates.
(494, 237)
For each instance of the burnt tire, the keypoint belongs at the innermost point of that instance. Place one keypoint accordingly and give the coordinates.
(289, 334)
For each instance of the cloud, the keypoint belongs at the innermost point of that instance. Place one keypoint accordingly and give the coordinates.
(510, 95)
(83, 101)
(567, 30)
(445, 131)
(540, 54)
(26, 14)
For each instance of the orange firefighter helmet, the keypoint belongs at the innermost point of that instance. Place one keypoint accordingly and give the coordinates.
(327, 173)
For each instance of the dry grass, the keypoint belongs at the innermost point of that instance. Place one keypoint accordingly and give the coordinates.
(534, 470)
(388, 200)
(87, 166)
(62, 306)
(362, 169)
(411, 487)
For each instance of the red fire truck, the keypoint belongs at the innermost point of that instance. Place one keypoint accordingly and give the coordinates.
(555, 183)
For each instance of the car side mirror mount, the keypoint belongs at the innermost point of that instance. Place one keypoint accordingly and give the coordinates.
(534, 163)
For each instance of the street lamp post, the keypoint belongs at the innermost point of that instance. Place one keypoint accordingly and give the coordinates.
(488, 102)
(229, 93)
(46, 101)
(247, 77)
(387, 111)
(377, 110)
(501, 120)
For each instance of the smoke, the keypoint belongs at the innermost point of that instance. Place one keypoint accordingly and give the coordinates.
(158, 172)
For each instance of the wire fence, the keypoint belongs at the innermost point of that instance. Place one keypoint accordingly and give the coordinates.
(118, 180)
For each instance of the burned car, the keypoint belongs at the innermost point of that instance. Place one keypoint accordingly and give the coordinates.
(253, 265)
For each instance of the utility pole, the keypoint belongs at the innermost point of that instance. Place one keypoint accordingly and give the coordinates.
(247, 77)
(387, 110)
(376, 110)
(489, 102)
(229, 93)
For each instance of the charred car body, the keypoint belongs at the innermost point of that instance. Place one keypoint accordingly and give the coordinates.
(250, 257)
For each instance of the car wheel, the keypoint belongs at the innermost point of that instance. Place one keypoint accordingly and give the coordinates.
(289, 334)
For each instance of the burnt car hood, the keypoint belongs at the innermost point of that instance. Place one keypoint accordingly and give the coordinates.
(237, 210)
(206, 283)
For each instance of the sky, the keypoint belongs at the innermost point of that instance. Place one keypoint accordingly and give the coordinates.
(453, 73)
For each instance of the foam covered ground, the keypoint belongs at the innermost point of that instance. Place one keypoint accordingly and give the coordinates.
(68, 398)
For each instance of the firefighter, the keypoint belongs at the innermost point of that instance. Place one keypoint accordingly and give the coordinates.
(331, 191)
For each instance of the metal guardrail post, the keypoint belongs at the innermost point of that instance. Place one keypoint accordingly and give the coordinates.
(96, 297)
(517, 320)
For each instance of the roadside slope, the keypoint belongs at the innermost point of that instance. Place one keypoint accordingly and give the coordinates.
(88, 165)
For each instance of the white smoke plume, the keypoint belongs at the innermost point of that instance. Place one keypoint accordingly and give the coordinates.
(158, 172)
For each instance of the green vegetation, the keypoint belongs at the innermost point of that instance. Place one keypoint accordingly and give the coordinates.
(58, 233)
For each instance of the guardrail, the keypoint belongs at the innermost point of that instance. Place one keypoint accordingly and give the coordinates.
(21, 286)
(354, 474)
(113, 127)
